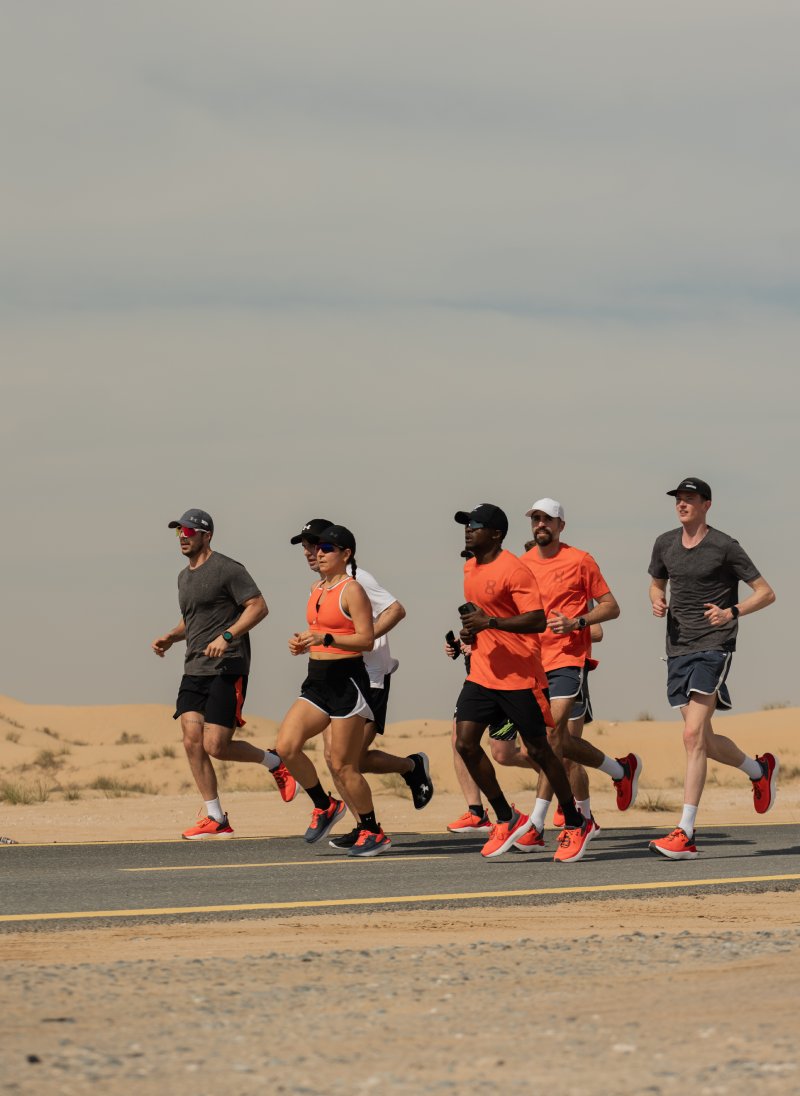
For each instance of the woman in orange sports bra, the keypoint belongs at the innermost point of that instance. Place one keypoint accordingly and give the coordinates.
(335, 692)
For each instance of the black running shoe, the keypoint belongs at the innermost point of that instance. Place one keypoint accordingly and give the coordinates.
(346, 841)
(419, 781)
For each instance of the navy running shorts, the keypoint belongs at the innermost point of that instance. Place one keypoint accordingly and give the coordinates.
(701, 672)
(571, 681)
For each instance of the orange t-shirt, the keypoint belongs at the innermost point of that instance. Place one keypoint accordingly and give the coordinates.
(504, 660)
(568, 582)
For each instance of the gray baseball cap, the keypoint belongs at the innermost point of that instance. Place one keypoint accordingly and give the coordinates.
(195, 519)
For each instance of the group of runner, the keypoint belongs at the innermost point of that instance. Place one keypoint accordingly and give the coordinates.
(526, 631)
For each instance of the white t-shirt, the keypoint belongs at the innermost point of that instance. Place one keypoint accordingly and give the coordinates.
(379, 661)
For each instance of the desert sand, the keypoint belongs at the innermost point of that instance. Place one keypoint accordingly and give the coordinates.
(659, 995)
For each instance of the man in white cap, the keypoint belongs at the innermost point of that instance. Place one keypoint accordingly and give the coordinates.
(570, 582)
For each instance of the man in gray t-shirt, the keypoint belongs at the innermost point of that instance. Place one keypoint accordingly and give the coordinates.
(703, 568)
(220, 604)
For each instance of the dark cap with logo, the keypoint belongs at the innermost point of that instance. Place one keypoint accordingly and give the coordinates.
(194, 519)
(692, 483)
(489, 516)
(311, 530)
(338, 535)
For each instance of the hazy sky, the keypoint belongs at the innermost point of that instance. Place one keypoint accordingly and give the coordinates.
(379, 262)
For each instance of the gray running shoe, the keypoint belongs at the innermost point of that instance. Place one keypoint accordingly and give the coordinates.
(323, 821)
(370, 844)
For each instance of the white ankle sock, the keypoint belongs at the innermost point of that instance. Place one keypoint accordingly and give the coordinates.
(539, 813)
(752, 768)
(687, 819)
(611, 767)
(214, 810)
(583, 807)
(271, 760)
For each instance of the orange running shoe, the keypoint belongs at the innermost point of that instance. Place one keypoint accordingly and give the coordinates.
(208, 827)
(559, 821)
(506, 834)
(764, 788)
(675, 846)
(628, 783)
(287, 785)
(572, 843)
(471, 823)
(530, 840)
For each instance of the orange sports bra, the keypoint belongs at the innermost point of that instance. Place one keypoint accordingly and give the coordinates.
(325, 613)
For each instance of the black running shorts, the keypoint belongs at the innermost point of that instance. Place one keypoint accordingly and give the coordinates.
(379, 701)
(338, 686)
(477, 704)
(218, 698)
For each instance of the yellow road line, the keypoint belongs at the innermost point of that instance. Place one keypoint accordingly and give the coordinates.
(328, 862)
(407, 899)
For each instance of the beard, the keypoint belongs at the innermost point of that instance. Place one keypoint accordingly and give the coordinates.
(543, 536)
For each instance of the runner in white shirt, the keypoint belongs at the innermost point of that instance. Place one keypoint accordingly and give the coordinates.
(387, 612)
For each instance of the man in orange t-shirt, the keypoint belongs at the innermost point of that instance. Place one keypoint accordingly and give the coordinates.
(570, 580)
(503, 609)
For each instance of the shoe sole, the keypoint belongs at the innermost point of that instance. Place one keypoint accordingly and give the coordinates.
(526, 848)
(670, 854)
(773, 787)
(578, 855)
(635, 782)
(326, 829)
(387, 844)
(206, 836)
(509, 841)
(469, 830)
(427, 767)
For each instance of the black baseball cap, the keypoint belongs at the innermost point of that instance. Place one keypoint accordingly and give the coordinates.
(338, 535)
(488, 515)
(311, 530)
(692, 483)
(194, 519)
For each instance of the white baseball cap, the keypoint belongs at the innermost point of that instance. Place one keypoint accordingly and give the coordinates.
(547, 506)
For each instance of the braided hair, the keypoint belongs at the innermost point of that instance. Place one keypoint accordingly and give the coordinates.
(353, 567)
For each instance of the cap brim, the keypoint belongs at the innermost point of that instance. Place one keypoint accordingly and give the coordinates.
(297, 539)
(462, 517)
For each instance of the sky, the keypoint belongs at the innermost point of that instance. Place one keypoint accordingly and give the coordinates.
(378, 263)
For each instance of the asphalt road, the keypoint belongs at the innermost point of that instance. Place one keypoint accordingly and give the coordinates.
(64, 885)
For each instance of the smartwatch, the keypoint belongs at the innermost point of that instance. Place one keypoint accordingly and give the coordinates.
(327, 640)
(492, 622)
(581, 622)
(735, 610)
(227, 637)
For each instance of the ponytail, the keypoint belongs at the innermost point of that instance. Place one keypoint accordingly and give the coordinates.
(353, 566)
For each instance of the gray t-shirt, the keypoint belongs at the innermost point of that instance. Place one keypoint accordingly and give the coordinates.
(211, 598)
(708, 573)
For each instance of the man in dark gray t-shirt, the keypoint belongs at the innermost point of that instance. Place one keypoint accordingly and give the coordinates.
(220, 604)
(703, 568)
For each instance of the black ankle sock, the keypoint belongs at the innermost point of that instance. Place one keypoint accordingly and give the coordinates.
(477, 808)
(501, 808)
(368, 822)
(573, 818)
(318, 797)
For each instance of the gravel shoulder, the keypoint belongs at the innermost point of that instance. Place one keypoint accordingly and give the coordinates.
(660, 995)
